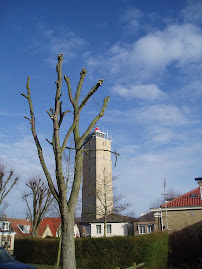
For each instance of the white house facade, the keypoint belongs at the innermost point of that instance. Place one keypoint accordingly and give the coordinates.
(112, 229)
(117, 225)
(7, 235)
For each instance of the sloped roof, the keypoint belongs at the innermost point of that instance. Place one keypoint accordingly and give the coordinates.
(16, 222)
(53, 224)
(114, 218)
(191, 198)
(146, 217)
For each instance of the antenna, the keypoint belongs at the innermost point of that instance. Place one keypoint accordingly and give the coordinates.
(164, 187)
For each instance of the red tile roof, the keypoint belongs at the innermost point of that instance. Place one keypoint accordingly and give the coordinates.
(191, 198)
(16, 222)
(53, 224)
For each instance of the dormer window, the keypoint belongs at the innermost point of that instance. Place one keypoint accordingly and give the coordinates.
(25, 229)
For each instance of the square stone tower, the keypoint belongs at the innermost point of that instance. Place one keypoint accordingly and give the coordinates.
(97, 190)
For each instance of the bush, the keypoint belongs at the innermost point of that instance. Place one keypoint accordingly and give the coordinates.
(100, 253)
(36, 250)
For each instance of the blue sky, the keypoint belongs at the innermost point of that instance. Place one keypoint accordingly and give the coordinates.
(149, 54)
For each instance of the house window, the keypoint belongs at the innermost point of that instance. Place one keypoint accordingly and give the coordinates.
(141, 229)
(3, 241)
(150, 228)
(109, 228)
(25, 229)
(5, 226)
(98, 229)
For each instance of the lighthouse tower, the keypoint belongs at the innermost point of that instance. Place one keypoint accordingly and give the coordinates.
(97, 190)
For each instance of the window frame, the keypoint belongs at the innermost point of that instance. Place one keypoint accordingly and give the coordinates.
(141, 227)
(98, 229)
(5, 226)
(109, 226)
(150, 228)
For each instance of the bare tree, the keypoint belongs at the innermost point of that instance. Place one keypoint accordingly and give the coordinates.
(67, 205)
(41, 199)
(7, 182)
(170, 195)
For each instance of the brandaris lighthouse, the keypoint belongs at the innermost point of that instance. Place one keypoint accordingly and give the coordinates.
(97, 190)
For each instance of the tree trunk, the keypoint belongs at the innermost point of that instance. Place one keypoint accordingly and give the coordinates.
(68, 244)
(59, 251)
(105, 226)
(34, 232)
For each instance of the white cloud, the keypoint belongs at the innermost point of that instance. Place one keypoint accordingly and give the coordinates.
(23, 154)
(56, 40)
(162, 135)
(160, 114)
(177, 44)
(192, 12)
(151, 115)
(145, 171)
(132, 18)
(148, 92)
(130, 149)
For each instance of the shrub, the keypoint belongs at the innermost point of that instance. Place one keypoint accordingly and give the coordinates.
(36, 250)
(100, 253)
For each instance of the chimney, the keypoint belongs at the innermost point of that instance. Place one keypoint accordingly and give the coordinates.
(199, 180)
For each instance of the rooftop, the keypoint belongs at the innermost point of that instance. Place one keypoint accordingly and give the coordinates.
(191, 198)
(114, 218)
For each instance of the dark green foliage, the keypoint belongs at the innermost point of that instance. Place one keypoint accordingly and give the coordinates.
(36, 250)
(103, 253)
(122, 251)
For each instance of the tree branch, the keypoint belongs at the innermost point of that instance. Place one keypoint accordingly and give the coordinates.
(39, 148)
(93, 123)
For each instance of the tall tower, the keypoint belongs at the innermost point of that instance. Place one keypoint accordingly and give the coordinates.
(97, 190)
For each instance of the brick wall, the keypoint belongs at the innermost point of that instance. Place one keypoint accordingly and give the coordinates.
(180, 219)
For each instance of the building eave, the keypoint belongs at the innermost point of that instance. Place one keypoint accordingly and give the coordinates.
(162, 209)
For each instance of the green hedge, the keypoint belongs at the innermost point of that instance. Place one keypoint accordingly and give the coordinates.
(36, 250)
(103, 253)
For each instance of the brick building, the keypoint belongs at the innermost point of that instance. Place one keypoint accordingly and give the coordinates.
(182, 219)
(181, 212)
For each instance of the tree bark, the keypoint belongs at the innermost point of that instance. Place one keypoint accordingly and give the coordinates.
(68, 244)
